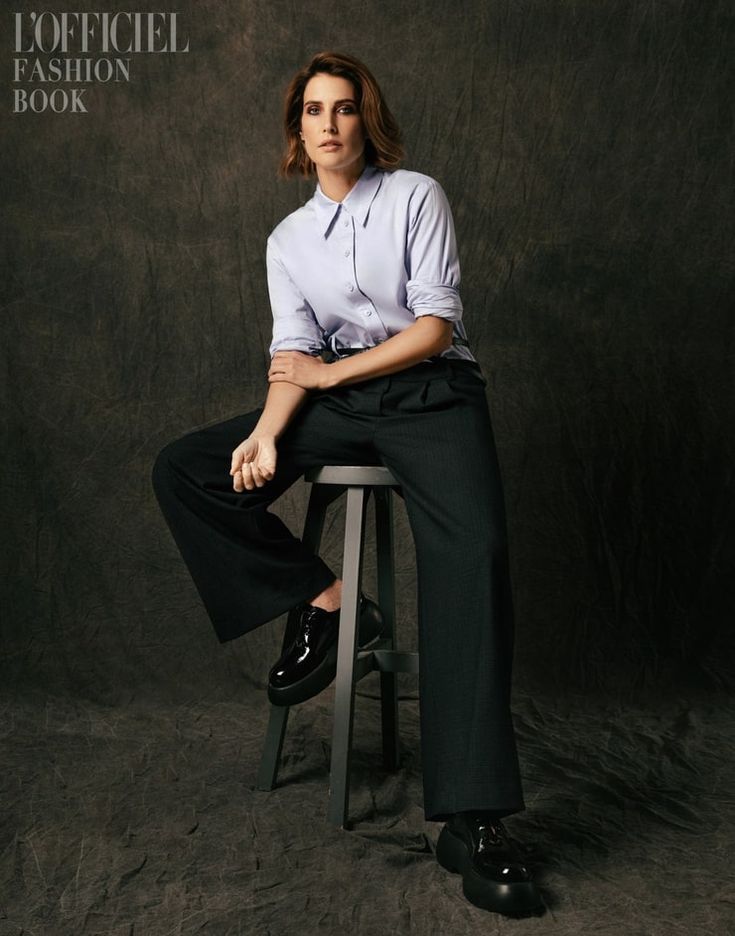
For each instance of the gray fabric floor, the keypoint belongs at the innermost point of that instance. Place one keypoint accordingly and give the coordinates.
(144, 820)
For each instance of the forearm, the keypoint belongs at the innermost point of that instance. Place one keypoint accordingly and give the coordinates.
(428, 336)
(281, 405)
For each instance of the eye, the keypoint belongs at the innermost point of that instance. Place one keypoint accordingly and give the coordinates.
(347, 109)
(312, 109)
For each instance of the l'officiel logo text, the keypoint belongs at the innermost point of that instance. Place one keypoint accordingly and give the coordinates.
(55, 50)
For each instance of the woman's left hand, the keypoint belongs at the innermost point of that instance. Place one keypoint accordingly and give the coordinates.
(298, 368)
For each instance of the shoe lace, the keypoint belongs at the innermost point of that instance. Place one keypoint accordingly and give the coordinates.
(491, 834)
(306, 631)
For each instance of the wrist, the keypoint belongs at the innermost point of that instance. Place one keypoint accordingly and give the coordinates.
(332, 375)
(264, 434)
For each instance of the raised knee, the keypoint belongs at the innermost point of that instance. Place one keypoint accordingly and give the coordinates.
(171, 457)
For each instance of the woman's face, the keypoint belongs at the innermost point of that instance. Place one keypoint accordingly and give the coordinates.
(330, 115)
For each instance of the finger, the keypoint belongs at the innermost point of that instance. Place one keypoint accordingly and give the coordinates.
(267, 466)
(267, 461)
(258, 478)
(236, 460)
(237, 483)
(247, 476)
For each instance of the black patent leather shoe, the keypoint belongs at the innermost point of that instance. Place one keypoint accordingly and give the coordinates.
(309, 663)
(494, 875)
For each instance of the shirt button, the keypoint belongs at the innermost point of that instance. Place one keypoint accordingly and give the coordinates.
(368, 312)
(346, 223)
(347, 253)
(350, 287)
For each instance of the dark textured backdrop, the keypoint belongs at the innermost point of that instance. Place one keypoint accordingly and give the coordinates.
(586, 149)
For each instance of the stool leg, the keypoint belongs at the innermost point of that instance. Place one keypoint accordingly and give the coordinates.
(387, 602)
(320, 498)
(273, 745)
(344, 697)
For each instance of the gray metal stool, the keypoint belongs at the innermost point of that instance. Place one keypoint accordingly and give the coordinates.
(328, 483)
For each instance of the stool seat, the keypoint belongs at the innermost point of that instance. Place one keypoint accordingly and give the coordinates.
(350, 475)
(328, 483)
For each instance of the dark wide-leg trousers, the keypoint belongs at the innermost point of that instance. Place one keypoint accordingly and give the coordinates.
(430, 425)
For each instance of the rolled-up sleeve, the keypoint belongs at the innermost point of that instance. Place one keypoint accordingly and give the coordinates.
(295, 327)
(432, 259)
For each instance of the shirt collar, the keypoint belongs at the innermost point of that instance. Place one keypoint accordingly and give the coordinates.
(356, 202)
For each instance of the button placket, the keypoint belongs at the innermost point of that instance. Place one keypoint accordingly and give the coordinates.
(349, 254)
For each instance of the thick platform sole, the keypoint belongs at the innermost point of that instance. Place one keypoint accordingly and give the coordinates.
(310, 685)
(325, 673)
(518, 899)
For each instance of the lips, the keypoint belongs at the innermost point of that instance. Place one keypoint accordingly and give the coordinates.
(330, 143)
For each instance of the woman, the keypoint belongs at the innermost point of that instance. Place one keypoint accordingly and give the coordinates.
(370, 364)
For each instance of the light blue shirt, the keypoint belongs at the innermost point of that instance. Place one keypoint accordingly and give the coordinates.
(351, 274)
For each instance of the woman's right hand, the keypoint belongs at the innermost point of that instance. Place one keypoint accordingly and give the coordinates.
(253, 463)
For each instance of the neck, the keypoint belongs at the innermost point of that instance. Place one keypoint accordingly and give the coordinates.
(337, 183)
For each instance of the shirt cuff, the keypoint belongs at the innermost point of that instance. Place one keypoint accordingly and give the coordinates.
(295, 344)
(434, 299)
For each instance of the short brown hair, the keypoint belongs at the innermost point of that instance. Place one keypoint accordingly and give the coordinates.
(383, 146)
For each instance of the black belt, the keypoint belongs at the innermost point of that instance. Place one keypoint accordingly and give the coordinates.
(338, 353)
(346, 352)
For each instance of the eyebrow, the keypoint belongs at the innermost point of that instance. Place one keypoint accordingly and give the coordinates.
(341, 101)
